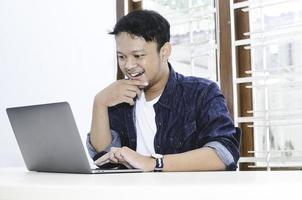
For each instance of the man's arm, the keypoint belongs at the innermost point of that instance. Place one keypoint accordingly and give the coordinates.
(202, 159)
(100, 135)
(121, 91)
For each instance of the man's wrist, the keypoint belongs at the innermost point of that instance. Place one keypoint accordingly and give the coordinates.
(151, 164)
(99, 104)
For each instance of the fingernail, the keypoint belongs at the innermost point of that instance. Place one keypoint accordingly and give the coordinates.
(146, 83)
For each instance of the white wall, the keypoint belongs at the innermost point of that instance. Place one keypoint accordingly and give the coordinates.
(53, 50)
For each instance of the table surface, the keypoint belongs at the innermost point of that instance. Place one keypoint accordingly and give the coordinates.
(16, 183)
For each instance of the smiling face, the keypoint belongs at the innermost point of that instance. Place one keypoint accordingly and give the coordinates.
(140, 60)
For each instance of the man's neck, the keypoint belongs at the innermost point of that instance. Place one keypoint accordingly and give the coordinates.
(157, 89)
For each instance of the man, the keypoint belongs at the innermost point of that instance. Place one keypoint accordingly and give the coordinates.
(156, 119)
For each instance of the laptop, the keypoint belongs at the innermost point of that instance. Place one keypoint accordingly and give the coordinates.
(49, 140)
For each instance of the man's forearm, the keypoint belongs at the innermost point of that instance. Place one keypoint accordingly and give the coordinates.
(196, 160)
(100, 135)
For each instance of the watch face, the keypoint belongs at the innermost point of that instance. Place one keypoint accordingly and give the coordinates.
(155, 155)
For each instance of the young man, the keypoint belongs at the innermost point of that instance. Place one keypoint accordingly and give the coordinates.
(156, 119)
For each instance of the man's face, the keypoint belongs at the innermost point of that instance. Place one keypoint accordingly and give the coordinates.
(138, 59)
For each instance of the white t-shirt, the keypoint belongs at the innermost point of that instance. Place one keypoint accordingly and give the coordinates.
(145, 125)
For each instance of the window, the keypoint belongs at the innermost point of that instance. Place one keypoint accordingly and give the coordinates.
(193, 35)
(274, 43)
(263, 86)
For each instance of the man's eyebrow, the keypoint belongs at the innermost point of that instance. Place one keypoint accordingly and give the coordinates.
(134, 51)
(138, 51)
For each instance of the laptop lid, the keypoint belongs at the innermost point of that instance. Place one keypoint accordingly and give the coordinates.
(48, 138)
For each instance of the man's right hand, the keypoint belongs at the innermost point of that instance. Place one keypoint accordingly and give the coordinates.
(120, 91)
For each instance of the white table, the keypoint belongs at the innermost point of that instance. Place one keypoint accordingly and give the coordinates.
(17, 183)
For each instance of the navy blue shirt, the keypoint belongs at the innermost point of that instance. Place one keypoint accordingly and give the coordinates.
(191, 113)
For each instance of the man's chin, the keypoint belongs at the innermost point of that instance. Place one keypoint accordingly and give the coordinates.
(145, 88)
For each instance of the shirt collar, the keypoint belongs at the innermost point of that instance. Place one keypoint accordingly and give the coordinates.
(169, 89)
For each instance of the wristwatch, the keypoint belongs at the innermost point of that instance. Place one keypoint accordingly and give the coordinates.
(159, 162)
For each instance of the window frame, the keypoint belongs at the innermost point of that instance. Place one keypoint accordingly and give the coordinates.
(225, 73)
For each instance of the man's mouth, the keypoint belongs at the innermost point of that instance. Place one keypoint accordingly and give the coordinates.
(136, 73)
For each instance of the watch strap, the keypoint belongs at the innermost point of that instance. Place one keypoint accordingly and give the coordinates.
(159, 165)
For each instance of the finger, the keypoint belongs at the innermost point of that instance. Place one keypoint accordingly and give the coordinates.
(128, 100)
(119, 157)
(102, 160)
(130, 94)
(136, 82)
(102, 163)
(134, 89)
(112, 157)
(126, 154)
(113, 160)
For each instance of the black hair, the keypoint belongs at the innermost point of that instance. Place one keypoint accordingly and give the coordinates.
(147, 24)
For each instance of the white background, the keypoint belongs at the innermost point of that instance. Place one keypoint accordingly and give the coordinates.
(50, 51)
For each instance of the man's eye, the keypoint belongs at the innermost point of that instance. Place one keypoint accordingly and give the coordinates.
(139, 56)
(121, 57)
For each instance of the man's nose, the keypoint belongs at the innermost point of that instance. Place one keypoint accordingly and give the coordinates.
(130, 64)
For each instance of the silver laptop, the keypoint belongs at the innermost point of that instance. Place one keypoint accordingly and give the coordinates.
(49, 140)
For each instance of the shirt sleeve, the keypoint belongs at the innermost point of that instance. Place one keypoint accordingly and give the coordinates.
(217, 129)
(116, 142)
(222, 152)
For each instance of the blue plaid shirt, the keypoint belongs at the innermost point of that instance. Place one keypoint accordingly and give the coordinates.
(191, 113)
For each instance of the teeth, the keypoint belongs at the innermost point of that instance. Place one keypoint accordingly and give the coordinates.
(133, 75)
(136, 74)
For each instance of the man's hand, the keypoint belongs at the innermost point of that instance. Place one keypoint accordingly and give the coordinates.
(120, 91)
(127, 157)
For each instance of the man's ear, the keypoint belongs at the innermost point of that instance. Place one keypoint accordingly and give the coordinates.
(165, 51)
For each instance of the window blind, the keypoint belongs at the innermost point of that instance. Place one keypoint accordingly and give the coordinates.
(274, 41)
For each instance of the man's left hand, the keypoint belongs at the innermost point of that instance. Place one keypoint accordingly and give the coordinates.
(127, 157)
